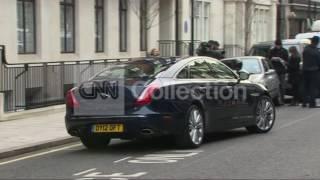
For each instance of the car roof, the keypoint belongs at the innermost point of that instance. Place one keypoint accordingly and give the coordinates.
(285, 41)
(307, 35)
(244, 57)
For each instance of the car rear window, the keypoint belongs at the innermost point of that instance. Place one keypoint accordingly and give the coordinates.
(260, 51)
(251, 65)
(136, 69)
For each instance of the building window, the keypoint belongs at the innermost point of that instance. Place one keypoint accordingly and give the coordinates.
(123, 22)
(67, 25)
(197, 20)
(26, 26)
(143, 25)
(206, 20)
(202, 20)
(99, 13)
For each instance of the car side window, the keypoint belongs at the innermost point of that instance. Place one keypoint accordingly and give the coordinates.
(200, 69)
(184, 73)
(220, 70)
(230, 63)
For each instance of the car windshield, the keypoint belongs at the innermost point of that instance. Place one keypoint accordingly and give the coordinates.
(251, 65)
(135, 70)
(260, 51)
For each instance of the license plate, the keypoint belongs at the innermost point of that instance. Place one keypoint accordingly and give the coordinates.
(108, 128)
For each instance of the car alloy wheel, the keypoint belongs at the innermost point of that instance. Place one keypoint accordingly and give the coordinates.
(192, 133)
(196, 126)
(265, 116)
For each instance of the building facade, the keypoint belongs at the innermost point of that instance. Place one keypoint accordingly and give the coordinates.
(68, 30)
(58, 44)
(300, 15)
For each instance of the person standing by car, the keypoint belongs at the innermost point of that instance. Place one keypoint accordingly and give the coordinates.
(294, 73)
(214, 50)
(279, 57)
(311, 67)
(203, 49)
(279, 51)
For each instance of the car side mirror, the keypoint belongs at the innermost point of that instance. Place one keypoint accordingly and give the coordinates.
(243, 75)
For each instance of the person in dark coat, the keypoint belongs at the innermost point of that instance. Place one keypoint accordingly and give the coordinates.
(203, 49)
(311, 68)
(294, 73)
(280, 57)
(279, 51)
(214, 50)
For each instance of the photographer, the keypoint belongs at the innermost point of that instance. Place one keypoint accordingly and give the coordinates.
(210, 49)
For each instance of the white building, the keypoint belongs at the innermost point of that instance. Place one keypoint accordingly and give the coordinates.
(41, 31)
(66, 30)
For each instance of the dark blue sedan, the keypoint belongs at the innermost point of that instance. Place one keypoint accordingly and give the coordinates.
(183, 98)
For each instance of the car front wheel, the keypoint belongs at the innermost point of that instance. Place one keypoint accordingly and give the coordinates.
(193, 133)
(265, 116)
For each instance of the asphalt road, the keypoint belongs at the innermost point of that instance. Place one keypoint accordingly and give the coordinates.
(290, 151)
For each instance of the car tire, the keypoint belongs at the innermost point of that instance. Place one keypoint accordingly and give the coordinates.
(193, 130)
(94, 142)
(265, 116)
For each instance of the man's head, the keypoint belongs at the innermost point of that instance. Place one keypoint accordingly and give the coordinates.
(315, 40)
(214, 45)
(155, 52)
(278, 43)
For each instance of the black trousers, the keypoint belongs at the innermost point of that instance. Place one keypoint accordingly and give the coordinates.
(311, 85)
(295, 80)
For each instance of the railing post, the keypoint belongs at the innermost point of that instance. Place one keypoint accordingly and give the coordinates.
(1, 105)
(1, 68)
(1, 94)
(45, 82)
(62, 79)
(91, 64)
(78, 74)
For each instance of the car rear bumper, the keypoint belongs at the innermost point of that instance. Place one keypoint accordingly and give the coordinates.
(134, 125)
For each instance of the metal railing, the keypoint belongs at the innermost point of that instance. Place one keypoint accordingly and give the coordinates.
(170, 48)
(234, 51)
(34, 85)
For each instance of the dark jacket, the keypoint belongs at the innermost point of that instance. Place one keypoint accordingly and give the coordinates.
(294, 64)
(281, 53)
(279, 65)
(215, 54)
(311, 59)
(294, 69)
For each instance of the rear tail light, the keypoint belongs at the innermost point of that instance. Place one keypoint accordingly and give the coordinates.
(147, 95)
(71, 100)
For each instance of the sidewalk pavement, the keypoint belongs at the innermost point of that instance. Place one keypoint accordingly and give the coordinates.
(29, 134)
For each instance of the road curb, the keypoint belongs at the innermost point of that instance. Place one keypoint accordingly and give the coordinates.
(35, 147)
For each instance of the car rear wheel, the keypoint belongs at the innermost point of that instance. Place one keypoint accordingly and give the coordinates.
(94, 142)
(265, 116)
(193, 132)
